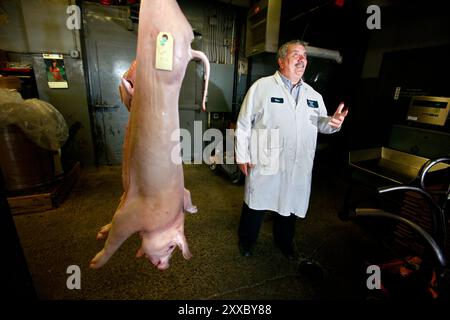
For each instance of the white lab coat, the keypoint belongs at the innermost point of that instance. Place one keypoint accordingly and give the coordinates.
(281, 178)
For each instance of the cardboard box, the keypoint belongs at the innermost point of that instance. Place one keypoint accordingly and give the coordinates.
(10, 82)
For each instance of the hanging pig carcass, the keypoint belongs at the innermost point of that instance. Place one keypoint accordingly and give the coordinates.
(154, 199)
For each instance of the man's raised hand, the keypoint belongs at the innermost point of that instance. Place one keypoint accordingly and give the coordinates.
(339, 116)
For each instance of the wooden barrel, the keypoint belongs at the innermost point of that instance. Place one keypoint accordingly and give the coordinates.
(23, 164)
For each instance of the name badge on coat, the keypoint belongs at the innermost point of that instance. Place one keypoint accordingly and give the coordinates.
(276, 100)
(312, 103)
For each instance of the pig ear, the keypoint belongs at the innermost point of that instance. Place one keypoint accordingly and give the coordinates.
(182, 244)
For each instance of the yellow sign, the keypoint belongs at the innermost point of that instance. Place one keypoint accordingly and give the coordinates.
(164, 51)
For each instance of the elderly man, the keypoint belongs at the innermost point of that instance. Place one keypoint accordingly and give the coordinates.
(276, 137)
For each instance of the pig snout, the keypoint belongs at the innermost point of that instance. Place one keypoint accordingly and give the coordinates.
(126, 91)
(158, 259)
(161, 260)
(126, 87)
(159, 247)
(161, 264)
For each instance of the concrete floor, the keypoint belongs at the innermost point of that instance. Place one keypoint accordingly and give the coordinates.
(54, 240)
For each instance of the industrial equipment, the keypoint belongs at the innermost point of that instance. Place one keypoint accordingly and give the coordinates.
(419, 267)
(431, 110)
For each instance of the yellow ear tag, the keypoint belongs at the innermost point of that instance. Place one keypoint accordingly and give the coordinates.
(164, 51)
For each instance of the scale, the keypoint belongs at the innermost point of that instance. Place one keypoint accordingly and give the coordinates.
(430, 110)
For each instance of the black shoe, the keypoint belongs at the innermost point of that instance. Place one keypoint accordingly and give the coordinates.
(292, 255)
(289, 252)
(245, 251)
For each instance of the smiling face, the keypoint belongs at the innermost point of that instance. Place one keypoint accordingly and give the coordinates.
(293, 64)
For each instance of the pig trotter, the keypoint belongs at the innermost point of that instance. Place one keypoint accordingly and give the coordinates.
(188, 206)
(103, 233)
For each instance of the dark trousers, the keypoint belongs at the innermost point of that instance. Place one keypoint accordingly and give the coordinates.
(250, 224)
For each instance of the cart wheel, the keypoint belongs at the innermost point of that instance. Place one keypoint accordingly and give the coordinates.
(213, 167)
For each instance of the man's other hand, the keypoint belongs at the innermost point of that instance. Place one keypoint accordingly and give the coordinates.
(245, 168)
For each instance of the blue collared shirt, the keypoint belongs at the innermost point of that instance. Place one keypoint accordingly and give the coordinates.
(294, 89)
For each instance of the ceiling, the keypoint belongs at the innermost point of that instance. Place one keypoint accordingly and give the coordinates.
(239, 3)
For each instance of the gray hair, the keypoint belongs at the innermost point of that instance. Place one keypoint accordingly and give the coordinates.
(282, 51)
